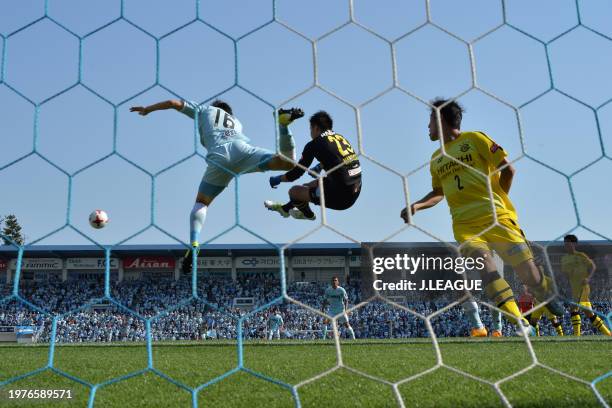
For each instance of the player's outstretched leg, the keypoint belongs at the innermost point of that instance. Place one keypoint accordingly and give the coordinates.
(286, 144)
(598, 323)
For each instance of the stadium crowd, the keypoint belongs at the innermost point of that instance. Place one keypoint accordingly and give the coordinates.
(84, 316)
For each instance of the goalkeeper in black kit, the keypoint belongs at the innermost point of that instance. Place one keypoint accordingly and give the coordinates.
(342, 183)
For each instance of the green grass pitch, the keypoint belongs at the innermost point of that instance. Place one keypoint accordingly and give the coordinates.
(293, 362)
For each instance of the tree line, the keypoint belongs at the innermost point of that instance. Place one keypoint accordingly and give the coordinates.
(11, 230)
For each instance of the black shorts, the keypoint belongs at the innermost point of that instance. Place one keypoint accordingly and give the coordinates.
(338, 196)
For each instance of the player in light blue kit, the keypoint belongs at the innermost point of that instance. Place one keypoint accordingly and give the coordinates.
(477, 329)
(229, 152)
(337, 299)
(276, 324)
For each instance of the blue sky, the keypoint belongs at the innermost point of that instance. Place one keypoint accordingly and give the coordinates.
(566, 124)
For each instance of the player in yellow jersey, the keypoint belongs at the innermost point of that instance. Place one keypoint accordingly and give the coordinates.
(535, 317)
(579, 269)
(467, 194)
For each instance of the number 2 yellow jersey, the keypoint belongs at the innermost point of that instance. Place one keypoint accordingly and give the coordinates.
(465, 190)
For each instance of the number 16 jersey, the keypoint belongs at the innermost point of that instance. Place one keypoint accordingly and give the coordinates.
(216, 127)
(466, 191)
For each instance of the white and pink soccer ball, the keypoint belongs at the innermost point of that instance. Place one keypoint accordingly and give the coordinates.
(98, 219)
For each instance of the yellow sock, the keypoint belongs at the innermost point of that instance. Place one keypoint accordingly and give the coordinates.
(599, 325)
(576, 323)
(500, 292)
(534, 320)
(558, 327)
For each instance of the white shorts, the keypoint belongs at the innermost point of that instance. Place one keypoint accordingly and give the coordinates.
(342, 316)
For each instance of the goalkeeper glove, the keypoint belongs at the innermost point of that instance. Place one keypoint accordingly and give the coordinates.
(275, 181)
(286, 116)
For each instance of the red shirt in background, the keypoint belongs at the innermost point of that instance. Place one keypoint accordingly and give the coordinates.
(526, 302)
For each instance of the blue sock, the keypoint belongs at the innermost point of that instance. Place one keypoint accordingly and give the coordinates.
(497, 319)
(470, 308)
(286, 144)
(196, 222)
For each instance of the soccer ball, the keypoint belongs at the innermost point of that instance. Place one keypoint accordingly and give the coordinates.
(98, 219)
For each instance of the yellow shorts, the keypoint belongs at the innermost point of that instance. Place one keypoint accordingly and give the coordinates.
(543, 311)
(584, 302)
(581, 294)
(507, 239)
